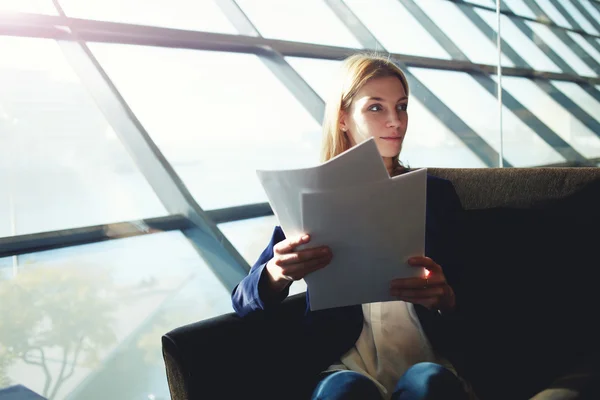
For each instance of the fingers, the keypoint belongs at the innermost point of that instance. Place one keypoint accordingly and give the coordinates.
(302, 256)
(288, 245)
(418, 283)
(427, 263)
(299, 271)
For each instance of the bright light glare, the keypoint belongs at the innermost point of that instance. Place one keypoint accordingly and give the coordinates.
(28, 6)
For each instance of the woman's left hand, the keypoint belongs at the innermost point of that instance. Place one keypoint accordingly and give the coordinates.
(431, 291)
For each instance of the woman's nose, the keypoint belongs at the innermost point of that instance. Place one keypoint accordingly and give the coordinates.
(394, 120)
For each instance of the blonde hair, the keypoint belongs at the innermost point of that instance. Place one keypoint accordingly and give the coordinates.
(354, 73)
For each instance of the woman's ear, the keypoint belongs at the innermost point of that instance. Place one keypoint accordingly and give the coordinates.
(343, 121)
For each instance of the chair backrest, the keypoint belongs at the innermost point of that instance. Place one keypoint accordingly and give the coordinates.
(518, 187)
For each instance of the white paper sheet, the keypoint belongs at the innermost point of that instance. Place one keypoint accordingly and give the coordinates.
(360, 164)
(372, 229)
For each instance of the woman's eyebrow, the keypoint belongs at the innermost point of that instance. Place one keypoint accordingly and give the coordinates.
(382, 99)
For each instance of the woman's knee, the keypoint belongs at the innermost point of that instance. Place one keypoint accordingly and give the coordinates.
(346, 385)
(428, 381)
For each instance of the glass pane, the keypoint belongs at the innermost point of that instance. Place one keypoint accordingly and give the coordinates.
(396, 37)
(200, 15)
(591, 9)
(29, 6)
(582, 98)
(251, 236)
(215, 122)
(554, 115)
(309, 21)
(61, 164)
(519, 7)
(554, 15)
(595, 54)
(429, 143)
(561, 49)
(99, 311)
(578, 17)
(479, 109)
(6, 272)
(487, 3)
(459, 28)
(317, 73)
(519, 42)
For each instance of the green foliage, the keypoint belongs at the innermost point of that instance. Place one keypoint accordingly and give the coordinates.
(67, 308)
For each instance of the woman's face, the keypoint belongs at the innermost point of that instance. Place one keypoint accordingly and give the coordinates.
(378, 111)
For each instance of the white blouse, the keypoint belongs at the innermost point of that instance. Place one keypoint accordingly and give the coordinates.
(392, 340)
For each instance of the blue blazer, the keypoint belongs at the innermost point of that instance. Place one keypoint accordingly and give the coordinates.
(327, 334)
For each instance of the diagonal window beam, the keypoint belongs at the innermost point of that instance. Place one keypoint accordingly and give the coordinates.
(562, 35)
(276, 62)
(541, 129)
(504, 9)
(589, 39)
(586, 14)
(227, 264)
(577, 111)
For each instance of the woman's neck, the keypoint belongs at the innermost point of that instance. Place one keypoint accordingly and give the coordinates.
(389, 165)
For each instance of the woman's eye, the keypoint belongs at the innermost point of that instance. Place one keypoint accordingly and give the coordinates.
(375, 107)
(402, 107)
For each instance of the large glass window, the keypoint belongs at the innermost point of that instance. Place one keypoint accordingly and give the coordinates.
(553, 114)
(479, 110)
(552, 13)
(61, 164)
(319, 74)
(85, 322)
(585, 45)
(564, 52)
(216, 116)
(519, 42)
(396, 28)
(519, 7)
(309, 21)
(592, 10)
(581, 97)
(578, 17)
(463, 33)
(202, 15)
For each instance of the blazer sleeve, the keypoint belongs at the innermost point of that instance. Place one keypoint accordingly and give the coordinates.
(252, 294)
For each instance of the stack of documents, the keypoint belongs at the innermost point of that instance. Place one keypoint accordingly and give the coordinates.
(372, 223)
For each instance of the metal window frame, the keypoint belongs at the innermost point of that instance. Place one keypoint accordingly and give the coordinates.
(55, 27)
(543, 84)
(35, 242)
(485, 81)
(276, 62)
(586, 14)
(504, 9)
(77, 30)
(565, 38)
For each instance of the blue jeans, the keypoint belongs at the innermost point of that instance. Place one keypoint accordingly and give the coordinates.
(423, 381)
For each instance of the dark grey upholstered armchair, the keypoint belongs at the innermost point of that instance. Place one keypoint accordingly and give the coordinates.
(531, 239)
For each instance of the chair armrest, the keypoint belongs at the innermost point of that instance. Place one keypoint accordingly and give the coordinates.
(581, 383)
(230, 357)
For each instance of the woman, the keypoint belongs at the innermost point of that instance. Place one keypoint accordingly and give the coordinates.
(392, 350)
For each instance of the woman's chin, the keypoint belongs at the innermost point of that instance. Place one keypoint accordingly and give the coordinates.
(388, 153)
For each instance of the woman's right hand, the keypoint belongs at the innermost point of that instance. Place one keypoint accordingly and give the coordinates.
(289, 265)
